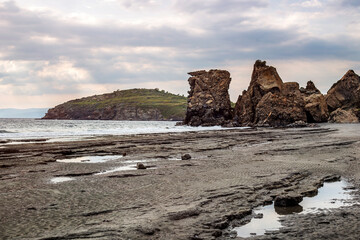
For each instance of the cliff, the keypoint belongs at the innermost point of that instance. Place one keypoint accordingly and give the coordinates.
(133, 104)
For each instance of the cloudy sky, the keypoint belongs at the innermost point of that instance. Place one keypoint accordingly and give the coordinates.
(52, 51)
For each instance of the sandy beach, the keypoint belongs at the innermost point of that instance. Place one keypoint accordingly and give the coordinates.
(231, 172)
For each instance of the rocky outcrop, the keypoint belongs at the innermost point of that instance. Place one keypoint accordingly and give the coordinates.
(269, 101)
(133, 104)
(343, 98)
(264, 79)
(208, 100)
(315, 105)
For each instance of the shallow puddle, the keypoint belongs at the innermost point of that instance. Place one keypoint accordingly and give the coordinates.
(90, 159)
(60, 179)
(331, 195)
(128, 167)
(118, 169)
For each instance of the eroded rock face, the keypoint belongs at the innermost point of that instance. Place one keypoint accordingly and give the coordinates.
(345, 93)
(343, 99)
(264, 79)
(209, 101)
(315, 105)
(269, 101)
(316, 108)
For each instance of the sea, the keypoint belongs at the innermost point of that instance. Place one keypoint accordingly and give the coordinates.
(13, 130)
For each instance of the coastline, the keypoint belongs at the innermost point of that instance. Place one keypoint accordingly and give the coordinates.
(231, 172)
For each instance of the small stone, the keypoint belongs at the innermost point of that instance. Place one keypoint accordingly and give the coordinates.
(259, 216)
(140, 166)
(124, 154)
(186, 157)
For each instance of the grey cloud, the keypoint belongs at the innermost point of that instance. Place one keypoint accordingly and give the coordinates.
(351, 3)
(219, 6)
(224, 40)
(135, 3)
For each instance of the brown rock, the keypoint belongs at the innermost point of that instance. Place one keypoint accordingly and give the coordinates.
(280, 110)
(310, 89)
(343, 116)
(345, 93)
(208, 100)
(264, 79)
(316, 108)
(269, 101)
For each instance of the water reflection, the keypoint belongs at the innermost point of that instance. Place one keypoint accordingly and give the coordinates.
(331, 195)
(90, 159)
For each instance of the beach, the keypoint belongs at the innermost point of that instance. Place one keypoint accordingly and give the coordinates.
(58, 190)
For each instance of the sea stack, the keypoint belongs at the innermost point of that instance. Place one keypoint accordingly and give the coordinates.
(208, 100)
(269, 101)
(343, 99)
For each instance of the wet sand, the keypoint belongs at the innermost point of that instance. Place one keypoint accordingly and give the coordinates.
(231, 172)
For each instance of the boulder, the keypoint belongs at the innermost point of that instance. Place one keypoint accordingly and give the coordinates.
(140, 166)
(343, 116)
(186, 157)
(208, 100)
(287, 200)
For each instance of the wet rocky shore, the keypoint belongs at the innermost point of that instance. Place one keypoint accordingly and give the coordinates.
(230, 172)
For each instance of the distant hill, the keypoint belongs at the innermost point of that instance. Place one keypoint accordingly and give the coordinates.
(133, 104)
(22, 113)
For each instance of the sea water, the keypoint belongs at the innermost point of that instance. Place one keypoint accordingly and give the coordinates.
(16, 130)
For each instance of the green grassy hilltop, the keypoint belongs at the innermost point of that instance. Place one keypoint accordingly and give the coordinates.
(133, 104)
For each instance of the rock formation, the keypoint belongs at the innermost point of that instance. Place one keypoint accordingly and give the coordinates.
(315, 105)
(208, 100)
(269, 101)
(343, 98)
(264, 80)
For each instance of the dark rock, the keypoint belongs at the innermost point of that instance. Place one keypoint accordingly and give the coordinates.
(287, 200)
(140, 166)
(186, 157)
(259, 216)
(310, 89)
(297, 124)
(345, 93)
(208, 100)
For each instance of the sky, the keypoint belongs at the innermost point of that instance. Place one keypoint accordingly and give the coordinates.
(53, 51)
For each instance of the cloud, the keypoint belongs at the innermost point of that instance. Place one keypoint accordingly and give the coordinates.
(218, 6)
(47, 52)
(351, 3)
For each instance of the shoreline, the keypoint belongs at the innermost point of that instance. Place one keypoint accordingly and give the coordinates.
(230, 173)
